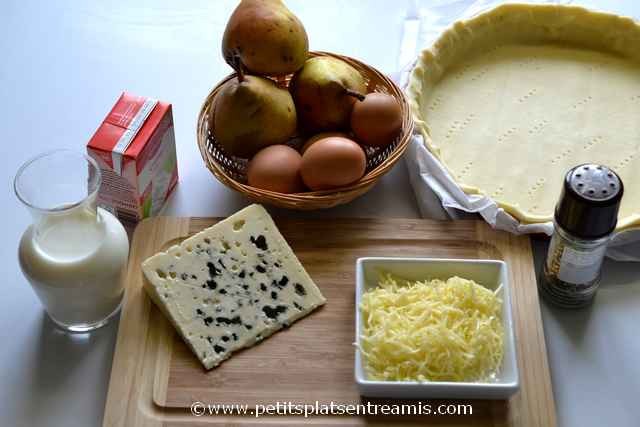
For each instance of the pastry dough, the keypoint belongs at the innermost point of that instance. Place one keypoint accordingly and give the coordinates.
(512, 99)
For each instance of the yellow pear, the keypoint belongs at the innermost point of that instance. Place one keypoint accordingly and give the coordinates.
(251, 113)
(324, 92)
(264, 37)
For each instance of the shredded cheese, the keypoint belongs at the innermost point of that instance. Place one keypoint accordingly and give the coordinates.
(431, 331)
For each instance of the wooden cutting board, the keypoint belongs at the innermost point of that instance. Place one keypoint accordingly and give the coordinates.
(155, 378)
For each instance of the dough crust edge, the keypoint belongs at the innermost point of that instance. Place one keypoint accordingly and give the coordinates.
(432, 63)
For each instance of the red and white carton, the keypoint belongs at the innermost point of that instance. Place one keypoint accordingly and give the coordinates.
(135, 148)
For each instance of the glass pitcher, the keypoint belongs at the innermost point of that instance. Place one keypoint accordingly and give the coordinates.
(74, 253)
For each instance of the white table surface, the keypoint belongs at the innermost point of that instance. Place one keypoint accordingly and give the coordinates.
(63, 65)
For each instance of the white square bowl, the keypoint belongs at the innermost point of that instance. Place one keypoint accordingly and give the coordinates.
(488, 273)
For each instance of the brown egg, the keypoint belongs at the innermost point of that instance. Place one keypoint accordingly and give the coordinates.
(377, 120)
(276, 168)
(320, 136)
(332, 162)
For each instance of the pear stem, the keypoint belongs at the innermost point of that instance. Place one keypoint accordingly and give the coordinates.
(355, 94)
(238, 66)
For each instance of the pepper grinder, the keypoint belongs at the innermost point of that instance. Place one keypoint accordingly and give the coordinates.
(585, 218)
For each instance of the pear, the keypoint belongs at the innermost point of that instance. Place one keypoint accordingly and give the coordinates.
(324, 92)
(264, 37)
(251, 113)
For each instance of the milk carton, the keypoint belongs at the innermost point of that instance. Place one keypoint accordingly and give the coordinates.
(136, 151)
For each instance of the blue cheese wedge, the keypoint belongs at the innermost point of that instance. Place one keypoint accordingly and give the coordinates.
(231, 285)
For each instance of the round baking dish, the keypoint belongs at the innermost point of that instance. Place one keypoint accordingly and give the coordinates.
(512, 98)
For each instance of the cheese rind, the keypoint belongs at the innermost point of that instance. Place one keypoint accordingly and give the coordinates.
(231, 285)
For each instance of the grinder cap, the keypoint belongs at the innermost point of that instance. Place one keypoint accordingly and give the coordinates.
(589, 202)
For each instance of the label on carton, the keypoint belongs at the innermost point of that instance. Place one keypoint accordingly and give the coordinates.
(130, 132)
(135, 150)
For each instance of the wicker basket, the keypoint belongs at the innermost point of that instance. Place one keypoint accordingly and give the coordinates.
(231, 171)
